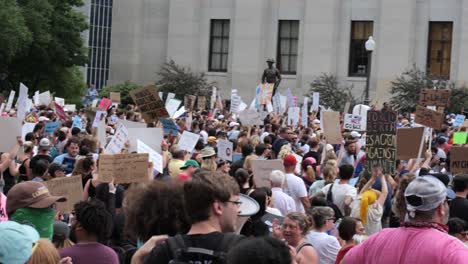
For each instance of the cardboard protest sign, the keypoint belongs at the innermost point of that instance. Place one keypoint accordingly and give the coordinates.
(381, 140)
(459, 138)
(429, 118)
(408, 142)
(153, 155)
(458, 160)
(118, 141)
(10, 100)
(189, 102)
(262, 169)
(27, 128)
(188, 141)
(431, 97)
(60, 112)
(70, 187)
(169, 127)
(172, 105)
(331, 127)
(12, 128)
(150, 104)
(45, 98)
(352, 122)
(115, 97)
(250, 118)
(124, 168)
(225, 149)
(201, 102)
(293, 116)
(465, 123)
(50, 127)
(459, 119)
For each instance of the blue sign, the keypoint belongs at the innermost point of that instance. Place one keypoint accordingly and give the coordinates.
(50, 127)
(77, 122)
(169, 127)
(459, 119)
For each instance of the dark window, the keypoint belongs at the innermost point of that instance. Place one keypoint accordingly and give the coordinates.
(219, 45)
(358, 56)
(439, 49)
(288, 38)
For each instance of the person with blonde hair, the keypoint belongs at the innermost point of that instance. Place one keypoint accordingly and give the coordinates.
(44, 252)
(208, 155)
(329, 172)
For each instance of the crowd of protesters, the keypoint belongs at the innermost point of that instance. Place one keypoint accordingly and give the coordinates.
(322, 207)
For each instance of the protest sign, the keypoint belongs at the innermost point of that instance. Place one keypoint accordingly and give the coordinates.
(10, 100)
(151, 136)
(169, 127)
(262, 169)
(50, 127)
(381, 140)
(429, 118)
(77, 122)
(408, 142)
(70, 107)
(179, 112)
(124, 168)
(45, 98)
(100, 115)
(431, 97)
(60, 112)
(250, 118)
(101, 133)
(235, 103)
(36, 98)
(2, 107)
(459, 138)
(361, 110)
(154, 156)
(213, 97)
(131, 124)
(172, 105)
(353, 122)
(94, 103)
(266, 91)
(70, 187)
(60, 101)
(315, 102)
(459, 119)
(290, 98)
(27, 128)
(305, 113)
(188, 141)
(150, 104)
(201, 102)
(169, 97)
(118, 141)
(331, 127)
(115, 97)
(346, 107)
(465, 123)
(225, 149)
(458, 160)
(22, 104)
(105, 103)
(11, 127)
(189, 102)
(293, 116)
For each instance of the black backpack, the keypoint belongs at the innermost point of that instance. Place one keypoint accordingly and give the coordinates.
(181, 253)
(338, 214)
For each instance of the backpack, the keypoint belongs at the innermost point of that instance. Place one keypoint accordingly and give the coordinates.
(330, 203)
(181, 253)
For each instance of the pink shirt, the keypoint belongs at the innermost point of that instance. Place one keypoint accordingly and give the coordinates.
(3, 213)
(409, 245)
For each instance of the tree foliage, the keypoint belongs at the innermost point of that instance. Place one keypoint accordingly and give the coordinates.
(332, 94)
(123, 88)
(182, 81)
(406, 88)
(49, 48)
(458, 100)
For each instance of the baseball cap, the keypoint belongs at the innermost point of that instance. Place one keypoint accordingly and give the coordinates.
(211, 139)
(30, 194)
(61, 229)
(425, 193)
(355, 134)
(43, 118)
(17, 242)
(207, 152)
(189, 163)
(44, 143)
(53, 167)
(316, 121)
(233, 124)
(289, 160)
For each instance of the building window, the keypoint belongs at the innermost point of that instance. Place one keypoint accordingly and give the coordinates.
(439, 49)
(286, 57)
(358, 56)
(219, 45)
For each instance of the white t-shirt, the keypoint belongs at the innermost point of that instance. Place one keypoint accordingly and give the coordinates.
(296, 189)
(340, 191)
(327, 246)
(283, 202)
(374, 215)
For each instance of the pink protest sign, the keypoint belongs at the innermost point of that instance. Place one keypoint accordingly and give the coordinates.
(105, 103)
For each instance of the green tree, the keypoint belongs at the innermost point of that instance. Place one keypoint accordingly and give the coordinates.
(332, 94)
(123, 88)
(406, 88)
(182, 81)
(458, 100)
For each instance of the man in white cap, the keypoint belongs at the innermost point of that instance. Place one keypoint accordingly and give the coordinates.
(423, 239)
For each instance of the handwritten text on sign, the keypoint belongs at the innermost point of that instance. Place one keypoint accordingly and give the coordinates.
(459, 160)
(70, 187)
(125, 168)
(149, 102)
(431, 97)
(381, 140)
(352, 122)
(429, 118)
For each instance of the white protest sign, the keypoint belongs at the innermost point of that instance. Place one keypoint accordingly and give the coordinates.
(315, 102)
(283, 102)
(101, 132)
(362, 111)
(44, 98)
(188, 141)
(252, 104)
(152, 137)
(179, 112)
(22, 102)
(118, 141)
(225, 149)
(172, 105)
(304, 114)
(153, 156)
(235, 103)
(353, 122)
(250, 118)
(36, 98)
(169, 97)
(131, 124)
(242, 106)
(293, 116)
(27, 128)
(60, 101)
(10, 100)
(213, 97)
(2, 107)
(94, 103)
(100, 115)
(269, 107)
(13, 127)
(290, 98)
(70, 107)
